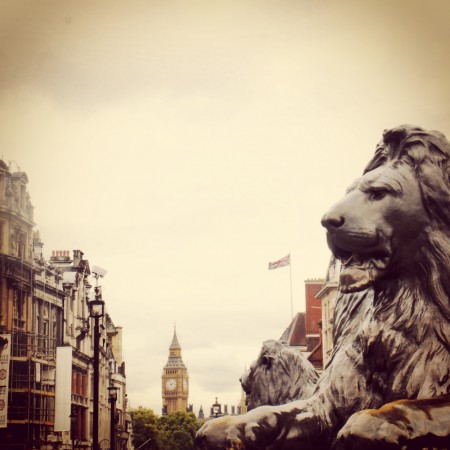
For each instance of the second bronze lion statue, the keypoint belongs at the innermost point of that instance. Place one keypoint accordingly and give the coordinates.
(391, 357)
(279, 375)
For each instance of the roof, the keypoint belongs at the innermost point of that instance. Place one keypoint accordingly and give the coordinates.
(316, 356)
(175, 344)
(295, 333)
(175, 362)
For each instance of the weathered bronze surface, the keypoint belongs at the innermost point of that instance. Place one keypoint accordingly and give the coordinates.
(279, 375)
(391, 232)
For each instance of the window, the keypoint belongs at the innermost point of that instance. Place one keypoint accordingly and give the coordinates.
(37, 315)
(2, 249)
(2, 188)
(19, 309)
(23, 191)
(22, 246)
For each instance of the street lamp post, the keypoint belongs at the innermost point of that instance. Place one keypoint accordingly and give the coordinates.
(96, 310)
(73, 423)
(113, 398)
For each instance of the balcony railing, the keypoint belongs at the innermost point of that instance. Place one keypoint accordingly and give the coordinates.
(16, 268)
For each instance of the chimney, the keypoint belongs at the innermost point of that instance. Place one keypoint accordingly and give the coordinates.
(77, 257)
(60, 256)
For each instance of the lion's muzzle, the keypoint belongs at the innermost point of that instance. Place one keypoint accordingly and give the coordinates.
(362, 250)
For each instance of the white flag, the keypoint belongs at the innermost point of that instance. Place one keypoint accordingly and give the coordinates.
(286, 261)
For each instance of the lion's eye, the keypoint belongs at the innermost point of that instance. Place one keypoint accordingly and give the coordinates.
(378, 194)
(265, 361)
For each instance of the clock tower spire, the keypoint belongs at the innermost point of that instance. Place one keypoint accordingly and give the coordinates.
(175, 380)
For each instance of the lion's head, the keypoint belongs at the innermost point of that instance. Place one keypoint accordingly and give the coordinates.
(279, 375)
(394, 221)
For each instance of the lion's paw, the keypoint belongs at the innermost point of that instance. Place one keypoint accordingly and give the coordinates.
(368, 431)
(219, 434)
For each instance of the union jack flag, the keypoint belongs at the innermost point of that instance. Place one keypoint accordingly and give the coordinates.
(286, 261)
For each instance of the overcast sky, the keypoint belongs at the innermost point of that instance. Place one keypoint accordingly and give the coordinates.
(182, 145)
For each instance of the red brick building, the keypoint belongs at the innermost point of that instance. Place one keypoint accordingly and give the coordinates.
(313, 315)
(304, 332)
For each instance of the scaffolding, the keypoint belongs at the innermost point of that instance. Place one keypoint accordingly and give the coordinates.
(31, 396)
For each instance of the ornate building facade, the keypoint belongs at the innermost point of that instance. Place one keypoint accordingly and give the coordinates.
(175, 380)
(78, 336)
(26, 340)
(327, 295)
(44, 313)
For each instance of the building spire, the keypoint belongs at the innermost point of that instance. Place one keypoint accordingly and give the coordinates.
(175, 344)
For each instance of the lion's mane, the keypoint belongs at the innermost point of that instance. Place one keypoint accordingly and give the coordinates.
(279, 375)
(428, 152)
(407, 352)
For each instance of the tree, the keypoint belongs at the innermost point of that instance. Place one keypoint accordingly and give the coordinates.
(178, 430)
(180, 421)
(145, 429)
(174, 431)
(182, 440)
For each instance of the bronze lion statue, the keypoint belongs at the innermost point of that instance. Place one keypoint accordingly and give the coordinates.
(390, 363)
(279, 375)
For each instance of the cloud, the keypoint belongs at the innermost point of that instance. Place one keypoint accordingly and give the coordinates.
(183, 146)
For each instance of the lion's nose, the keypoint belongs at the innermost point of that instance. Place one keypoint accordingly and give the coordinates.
(332, 221)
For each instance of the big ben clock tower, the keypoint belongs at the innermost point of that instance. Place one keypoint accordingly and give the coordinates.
(175, 380)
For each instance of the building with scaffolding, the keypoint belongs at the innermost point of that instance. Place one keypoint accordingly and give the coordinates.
(26, 398)
(46, 340)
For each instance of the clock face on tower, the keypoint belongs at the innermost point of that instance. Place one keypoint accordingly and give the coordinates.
(171, 384)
